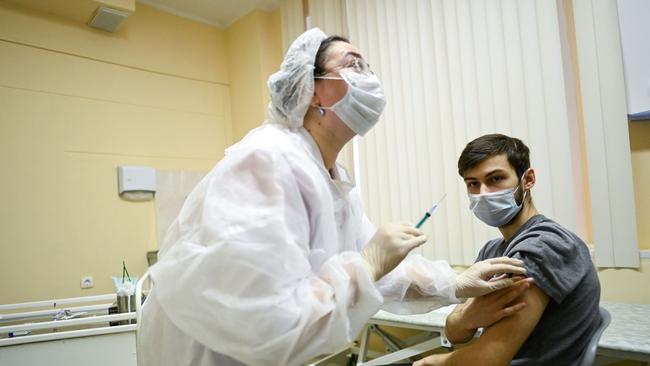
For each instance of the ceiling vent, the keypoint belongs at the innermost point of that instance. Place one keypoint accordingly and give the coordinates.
(108, 19)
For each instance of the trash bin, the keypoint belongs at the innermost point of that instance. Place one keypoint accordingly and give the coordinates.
(126, 304)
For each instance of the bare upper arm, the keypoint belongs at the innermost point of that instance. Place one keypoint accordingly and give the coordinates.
(500, 342)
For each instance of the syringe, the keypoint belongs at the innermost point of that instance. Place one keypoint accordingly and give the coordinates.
(429, 213)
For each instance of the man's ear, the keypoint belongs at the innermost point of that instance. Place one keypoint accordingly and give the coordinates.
(529, 179)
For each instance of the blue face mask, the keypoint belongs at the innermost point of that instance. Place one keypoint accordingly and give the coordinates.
(496, 208)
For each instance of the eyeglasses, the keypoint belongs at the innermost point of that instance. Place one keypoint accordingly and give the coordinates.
(356, 64)
(359, 65)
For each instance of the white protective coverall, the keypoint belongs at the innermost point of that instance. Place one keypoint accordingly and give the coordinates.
(262, 265)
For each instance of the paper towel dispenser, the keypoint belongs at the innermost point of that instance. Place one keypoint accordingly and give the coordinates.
(136, 183)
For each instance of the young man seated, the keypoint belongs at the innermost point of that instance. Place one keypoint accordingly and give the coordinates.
(561, 306)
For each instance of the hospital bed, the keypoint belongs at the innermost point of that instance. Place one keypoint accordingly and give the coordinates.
(72, 331)
(626, 338)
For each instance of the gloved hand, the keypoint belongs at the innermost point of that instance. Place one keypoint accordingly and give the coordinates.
(388, 247)
(475, 281)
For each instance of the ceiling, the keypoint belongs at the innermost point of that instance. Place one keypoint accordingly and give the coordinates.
(219, 13)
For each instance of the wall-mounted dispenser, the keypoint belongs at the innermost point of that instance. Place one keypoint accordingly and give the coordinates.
(108, 19)
(136, 183)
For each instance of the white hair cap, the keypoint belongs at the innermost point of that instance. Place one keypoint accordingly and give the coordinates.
(292, 87)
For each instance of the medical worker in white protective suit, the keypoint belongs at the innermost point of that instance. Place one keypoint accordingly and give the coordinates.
(271, 260)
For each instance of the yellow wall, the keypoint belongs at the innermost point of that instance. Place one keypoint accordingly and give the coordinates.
(75, 103)
(640, 145)
(149, 40)
(630, 285)
(626, 285)
(254, 52)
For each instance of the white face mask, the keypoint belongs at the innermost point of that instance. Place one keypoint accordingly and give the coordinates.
(496, 208)
(363, 103)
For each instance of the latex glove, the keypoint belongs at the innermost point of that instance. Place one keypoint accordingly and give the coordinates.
(475, 281)
(389, 246)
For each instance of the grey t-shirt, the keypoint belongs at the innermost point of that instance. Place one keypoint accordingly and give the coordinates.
(559, 262)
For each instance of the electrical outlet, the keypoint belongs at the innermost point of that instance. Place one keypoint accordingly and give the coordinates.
(87, 282)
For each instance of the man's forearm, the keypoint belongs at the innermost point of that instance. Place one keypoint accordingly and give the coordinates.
(463, 357)
(475, 354)
(454, 330)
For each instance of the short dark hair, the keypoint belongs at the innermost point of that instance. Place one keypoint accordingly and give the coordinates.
(321, 55)
(487, 146)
